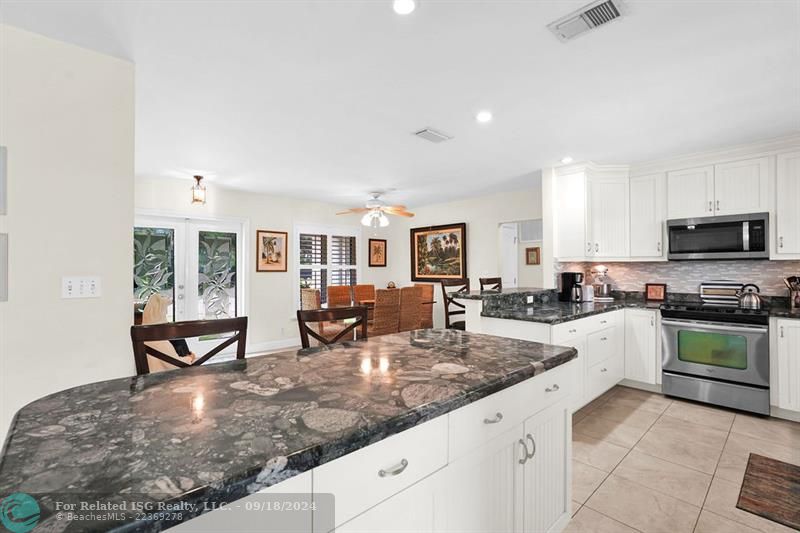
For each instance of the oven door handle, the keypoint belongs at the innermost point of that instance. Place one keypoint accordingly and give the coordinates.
(717, 326)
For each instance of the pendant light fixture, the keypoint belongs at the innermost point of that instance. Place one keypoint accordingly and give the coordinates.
(198, 191)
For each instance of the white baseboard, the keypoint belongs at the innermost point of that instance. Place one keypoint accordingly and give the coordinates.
(272, 346)
(786, 414)
(640, 385)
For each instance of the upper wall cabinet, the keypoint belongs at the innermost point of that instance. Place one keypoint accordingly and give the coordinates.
(570, 216)
(724, 189)
(648, 208)
(690, 193)
(787, 209)
(608, 219)
(741, 187)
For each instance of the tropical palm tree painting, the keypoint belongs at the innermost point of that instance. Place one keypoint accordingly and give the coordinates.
(439, 252)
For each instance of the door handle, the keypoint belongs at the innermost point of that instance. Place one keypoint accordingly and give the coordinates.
(524, 452)
(710, 206)
(533, 443)
(497, 418)
(395, 470)
(717, 205)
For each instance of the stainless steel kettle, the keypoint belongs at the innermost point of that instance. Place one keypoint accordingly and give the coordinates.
(749, 297)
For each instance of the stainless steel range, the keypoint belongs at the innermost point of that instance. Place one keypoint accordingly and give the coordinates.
(717, 354)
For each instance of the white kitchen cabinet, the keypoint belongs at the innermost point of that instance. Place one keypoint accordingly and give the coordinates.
(648, 209)
(788, 359)
(411, 511)
(641, 345)
(579, 343)
(787, 209)
(485, 486)
(741, 187)
(690, 192)
(547, 475)
(570, 214)
(608, 217)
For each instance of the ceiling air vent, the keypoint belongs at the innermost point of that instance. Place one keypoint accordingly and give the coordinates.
(432, 135)
(586, 18)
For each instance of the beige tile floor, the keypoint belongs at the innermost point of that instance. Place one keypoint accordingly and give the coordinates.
(644, 462)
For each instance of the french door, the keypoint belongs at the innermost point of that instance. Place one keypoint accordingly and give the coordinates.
(197, 264)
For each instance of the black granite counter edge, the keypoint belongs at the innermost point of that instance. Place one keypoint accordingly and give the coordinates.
(489, 294)
(248, 483)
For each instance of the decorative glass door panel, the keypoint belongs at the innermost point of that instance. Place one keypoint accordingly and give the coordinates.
(154, 265)
(216, 276)
(711, 348)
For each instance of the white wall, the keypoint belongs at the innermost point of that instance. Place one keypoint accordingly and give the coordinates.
(66, 116)
(482, 215)
(529, 275)
(272, 295)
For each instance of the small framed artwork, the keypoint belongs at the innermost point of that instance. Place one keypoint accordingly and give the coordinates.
(655, 292)
(533, 256)
(271, 251)
(377, 252)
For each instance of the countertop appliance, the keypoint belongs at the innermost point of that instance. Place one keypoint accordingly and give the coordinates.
(749, 297)
(602, 284)
(588, 293)
(718, 354)
(722, 237)
(568, 283)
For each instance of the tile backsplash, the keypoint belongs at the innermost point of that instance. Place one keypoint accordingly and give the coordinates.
(685, 276)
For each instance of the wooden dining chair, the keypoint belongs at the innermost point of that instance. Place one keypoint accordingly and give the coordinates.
(491, 284)
(386, 313)
(310, 299)
(426, 321)
(451, 307)
(307, 320)
(339, 296)
(363, 292)
(143, 336)
(410, 308)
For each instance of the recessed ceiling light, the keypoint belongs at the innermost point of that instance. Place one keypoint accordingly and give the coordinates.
(484, 116)
(566, 160)
(404, 7)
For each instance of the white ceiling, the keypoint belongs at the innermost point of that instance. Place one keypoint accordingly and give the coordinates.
(320, 99)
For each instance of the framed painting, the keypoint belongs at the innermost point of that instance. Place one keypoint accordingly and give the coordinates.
(271, 251)
(377, 252)
(439, 252)
(533, 256)
(655, 292)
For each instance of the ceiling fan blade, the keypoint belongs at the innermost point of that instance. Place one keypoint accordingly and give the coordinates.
(398, 207)
(353, 210)
(398, 212)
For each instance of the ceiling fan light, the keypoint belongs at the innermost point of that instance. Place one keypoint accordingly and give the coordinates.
(366, 220)
(383, 220)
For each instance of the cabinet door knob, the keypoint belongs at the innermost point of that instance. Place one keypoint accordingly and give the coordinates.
(497, 418)
(395, 470)
(554, 388)
(658, 247)
(524, 452)
(533, 443)
(589, 247)
(780, 242)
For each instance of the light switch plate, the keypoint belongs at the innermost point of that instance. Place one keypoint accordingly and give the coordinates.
(81, 287)
(3, 267)
(530, 299)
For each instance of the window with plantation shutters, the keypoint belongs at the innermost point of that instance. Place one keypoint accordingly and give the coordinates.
(326, 257)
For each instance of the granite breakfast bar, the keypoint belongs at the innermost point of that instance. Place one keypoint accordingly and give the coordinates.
(403, 419)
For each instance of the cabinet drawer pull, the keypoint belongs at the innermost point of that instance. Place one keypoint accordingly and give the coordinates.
(604, 321)
(497, 418)
(554, 388)
(533, 443)
(603, 338)
(395, 470)
(524, 452)
(603, 370)
(573, 330)
(717, 205)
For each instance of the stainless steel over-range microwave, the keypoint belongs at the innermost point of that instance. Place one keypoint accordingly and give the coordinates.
(723, 237)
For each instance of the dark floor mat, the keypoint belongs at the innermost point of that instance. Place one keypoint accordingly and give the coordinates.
(771, 489)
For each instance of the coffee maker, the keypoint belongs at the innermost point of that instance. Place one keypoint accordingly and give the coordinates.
(570, 288)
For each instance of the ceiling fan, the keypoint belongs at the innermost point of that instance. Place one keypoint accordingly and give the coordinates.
(375, 211)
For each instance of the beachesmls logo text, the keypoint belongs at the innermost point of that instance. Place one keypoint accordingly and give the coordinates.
(19, 512)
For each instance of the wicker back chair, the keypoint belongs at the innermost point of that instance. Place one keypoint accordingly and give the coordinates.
(310, 299)
(339, 296)
(410, 308)
(363, 292)
(386, 314)
(426, 321)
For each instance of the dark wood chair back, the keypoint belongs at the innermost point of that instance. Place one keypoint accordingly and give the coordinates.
(306, 320)
(491, 284)
(185, 330)
(451, 307)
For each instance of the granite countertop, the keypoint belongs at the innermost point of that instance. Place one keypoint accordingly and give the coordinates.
(219, 432)
(556, 312)
(484, 295)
